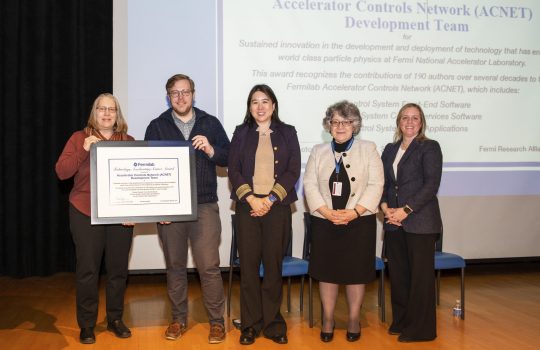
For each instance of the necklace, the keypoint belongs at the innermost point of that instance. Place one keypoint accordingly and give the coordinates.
(265, 132)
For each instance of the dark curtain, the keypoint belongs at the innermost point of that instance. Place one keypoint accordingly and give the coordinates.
(55, 58)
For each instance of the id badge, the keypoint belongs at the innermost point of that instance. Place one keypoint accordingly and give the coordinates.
(336, 188)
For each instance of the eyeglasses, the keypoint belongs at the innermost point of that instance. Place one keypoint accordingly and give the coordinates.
(336, 123)
(176, 93)
(104, 109)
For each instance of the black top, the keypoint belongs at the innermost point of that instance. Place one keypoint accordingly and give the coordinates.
(340, 202)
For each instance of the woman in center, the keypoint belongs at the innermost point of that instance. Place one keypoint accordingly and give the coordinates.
(343, 183)
(264, 166)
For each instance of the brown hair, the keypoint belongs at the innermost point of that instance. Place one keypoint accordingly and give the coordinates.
(172, 80)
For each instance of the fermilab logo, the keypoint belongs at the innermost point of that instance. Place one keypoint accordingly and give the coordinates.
(142, 164)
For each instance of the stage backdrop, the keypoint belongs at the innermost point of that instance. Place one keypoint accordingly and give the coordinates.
(55, 58)
(473, 66)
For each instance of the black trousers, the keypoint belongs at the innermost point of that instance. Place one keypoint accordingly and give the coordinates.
(262, 239)
(92, 242)
(411, 264)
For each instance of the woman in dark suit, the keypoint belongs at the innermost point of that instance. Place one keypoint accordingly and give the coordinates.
(264, 166)
(412, 171)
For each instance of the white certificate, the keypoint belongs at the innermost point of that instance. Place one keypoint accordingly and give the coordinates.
(143, 181)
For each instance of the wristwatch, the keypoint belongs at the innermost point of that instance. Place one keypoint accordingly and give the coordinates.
(407, 209)
(272, 198)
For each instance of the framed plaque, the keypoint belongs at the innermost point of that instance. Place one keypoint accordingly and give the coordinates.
(142, 181)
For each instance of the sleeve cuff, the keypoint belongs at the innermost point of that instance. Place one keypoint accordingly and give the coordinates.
(243, 191)
(280, 192)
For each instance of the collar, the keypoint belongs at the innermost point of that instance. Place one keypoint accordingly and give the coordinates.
(176, 117)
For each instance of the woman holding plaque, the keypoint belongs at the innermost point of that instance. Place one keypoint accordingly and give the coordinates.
(264, 165)
(107, 123)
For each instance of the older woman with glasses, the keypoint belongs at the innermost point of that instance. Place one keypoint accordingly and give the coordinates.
(343, 185)
(106, 123)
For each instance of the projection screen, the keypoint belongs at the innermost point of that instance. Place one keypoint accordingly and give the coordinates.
(474, 67)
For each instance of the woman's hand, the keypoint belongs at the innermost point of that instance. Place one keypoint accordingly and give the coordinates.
(331, 215)
(259, 206)
(327, 213)
(89, 141)
(344, 216)
(388, 212)
(395, 216)
(267, 202)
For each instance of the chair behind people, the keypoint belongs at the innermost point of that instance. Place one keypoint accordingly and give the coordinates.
(446, 261)
(291, 267)
(379, 266)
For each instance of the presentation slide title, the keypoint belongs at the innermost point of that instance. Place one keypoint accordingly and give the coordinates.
(417, 9)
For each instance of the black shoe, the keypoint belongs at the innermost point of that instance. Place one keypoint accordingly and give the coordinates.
(248, 336)
(87, 336)
(119, 329)
(237, 323)
(405, 339)
(327, 337)
(394, 330)
(352, 336)
(280, 339)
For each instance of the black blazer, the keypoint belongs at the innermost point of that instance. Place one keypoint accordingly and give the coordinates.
(417, 183)
(287, 161)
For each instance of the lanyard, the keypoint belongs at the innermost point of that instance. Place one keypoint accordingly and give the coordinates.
(338, 163)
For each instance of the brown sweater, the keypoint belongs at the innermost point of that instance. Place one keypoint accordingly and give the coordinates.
(75, 161)
(263, 177)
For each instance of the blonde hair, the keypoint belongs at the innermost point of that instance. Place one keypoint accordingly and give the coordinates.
(120, 126)
(398, 135)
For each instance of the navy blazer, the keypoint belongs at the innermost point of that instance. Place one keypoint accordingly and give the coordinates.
(287, 161)
(419, 176)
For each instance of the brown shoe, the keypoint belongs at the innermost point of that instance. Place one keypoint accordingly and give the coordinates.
(175, 330)
(217, 333)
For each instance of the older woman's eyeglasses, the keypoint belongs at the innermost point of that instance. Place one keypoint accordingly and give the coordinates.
(337, 123)
(176, 93)
(104, 109)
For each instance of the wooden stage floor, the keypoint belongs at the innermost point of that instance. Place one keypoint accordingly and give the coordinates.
(503, 312)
